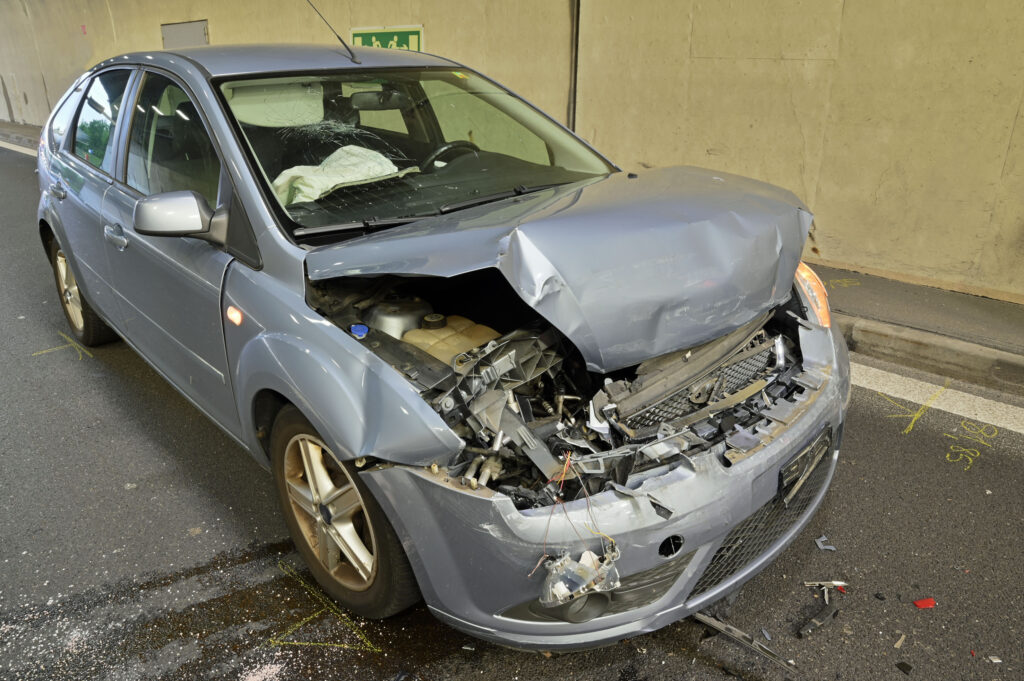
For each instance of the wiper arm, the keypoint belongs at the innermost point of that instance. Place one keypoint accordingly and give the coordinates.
(518, 190)
(368, 223)
(476, 201)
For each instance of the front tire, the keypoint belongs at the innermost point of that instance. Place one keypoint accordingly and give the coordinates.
(86, 325)
(336, 524)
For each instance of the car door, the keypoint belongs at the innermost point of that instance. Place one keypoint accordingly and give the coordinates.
(83, 171)
(169, 288)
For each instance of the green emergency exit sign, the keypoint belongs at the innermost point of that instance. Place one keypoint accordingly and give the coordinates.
(392, 37)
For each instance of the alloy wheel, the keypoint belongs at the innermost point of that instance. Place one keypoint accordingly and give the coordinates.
(70, 297)
(330, 512)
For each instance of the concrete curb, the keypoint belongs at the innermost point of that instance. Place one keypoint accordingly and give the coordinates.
(18, 139)
(933, 352)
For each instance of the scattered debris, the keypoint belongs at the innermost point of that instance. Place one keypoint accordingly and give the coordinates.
(823, 544)
(469, 646)
(744, 639)
(404, 676)
(880, 596)
(972, 654)
(904, 667)
(825, 586)
(767, 636)
(841, 589)
(925, 603)
(824, 616)
(899, 644)
(995, 659)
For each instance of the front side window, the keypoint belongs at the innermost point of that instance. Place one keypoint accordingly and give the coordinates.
(375, 146)
(94, 132)
(169, 149)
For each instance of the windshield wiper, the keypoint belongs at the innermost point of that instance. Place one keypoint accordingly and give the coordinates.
(368, 223)
(379, 223)
(518, 190)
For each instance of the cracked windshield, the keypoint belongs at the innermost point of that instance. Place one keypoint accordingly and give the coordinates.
(347, 153)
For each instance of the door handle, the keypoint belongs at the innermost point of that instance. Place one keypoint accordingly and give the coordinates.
(115, 235)
(58, 191)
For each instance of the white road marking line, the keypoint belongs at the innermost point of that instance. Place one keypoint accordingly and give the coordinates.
(18, 148)
(963, 404)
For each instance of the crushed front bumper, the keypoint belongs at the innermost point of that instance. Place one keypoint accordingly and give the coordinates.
(473, 552)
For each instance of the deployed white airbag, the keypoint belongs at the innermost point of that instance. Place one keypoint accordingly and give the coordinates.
(347, 166)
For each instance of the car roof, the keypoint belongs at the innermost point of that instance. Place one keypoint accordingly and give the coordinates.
(244, 60)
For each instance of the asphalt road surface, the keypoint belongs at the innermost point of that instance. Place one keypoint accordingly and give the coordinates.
(138, 542)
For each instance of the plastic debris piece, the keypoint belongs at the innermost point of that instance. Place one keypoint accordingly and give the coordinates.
(743, 639)
(925, 603)
(899, 644)
(359, 331)
(972, 654)
(823, 544)
(470, 647)
(880, 596)
(826, 615)
(995, 659)
(841, 589)
(904, 667)
(767, 636)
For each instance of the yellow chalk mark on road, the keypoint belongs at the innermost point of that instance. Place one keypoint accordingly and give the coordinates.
(70, 344)
(329, 608)
(914, 416)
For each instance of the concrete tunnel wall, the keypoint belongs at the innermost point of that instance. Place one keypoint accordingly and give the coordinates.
(894, 120)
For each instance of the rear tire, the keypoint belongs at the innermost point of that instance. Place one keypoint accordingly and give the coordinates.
(336, 524)
(86, 326)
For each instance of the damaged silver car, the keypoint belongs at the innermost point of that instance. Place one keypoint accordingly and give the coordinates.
(561, 403)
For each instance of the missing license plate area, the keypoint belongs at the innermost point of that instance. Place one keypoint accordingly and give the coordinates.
(795, 473)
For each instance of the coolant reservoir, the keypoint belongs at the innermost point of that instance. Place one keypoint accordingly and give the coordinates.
(395, 317)
(446, 338)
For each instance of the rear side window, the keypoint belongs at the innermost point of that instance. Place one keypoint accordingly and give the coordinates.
(169, 149)
(94, 132)
(62, 117)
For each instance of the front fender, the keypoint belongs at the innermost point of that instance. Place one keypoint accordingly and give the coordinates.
(357, 402)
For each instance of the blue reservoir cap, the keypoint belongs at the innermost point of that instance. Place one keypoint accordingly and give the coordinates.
(359, 331)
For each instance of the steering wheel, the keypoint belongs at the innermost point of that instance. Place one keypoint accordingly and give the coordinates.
(428, 162)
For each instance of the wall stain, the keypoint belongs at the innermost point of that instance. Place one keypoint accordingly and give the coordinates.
(7, 100)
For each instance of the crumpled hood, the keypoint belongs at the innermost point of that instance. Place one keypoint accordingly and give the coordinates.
(626, 268)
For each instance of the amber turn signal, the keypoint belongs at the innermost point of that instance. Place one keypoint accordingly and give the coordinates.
(234, 315)
(814, 289)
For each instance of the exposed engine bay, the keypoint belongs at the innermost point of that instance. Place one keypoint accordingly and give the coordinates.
(538, 426)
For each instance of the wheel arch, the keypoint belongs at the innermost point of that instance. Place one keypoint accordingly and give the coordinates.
(46, 235)
(266, 405)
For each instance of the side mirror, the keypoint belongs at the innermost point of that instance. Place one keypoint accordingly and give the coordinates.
(183, 213)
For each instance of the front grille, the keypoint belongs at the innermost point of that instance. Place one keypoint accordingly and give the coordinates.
(756, 534)
(736, 376)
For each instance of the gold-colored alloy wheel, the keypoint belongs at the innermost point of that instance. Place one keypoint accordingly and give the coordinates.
(330, 513)
(70, 297)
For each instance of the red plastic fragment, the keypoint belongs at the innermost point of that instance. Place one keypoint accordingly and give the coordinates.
(925, 603)
(972, 654)
(842, 590)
